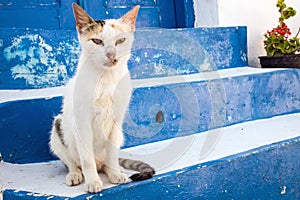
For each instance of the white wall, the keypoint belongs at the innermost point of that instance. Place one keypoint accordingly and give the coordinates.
(207, 13)
(258, 15)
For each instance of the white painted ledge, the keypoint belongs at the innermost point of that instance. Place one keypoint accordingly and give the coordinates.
(49, 178)
(48, 93)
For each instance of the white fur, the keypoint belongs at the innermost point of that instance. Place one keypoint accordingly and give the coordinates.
(94, 105)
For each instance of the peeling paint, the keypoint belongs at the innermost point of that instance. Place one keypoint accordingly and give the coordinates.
(39, 62)
(244, 56)
(283, 190)
(6, 4)
(224, 47)
(206, 65)
(162, 57)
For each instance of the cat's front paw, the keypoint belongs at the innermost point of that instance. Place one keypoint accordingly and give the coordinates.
(93, 187)
(117, 177)
(74, 178)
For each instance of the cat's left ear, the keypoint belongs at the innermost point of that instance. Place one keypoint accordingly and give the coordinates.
(130, 17)
(82, 19)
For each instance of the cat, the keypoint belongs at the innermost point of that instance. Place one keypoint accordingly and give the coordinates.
(87, 135)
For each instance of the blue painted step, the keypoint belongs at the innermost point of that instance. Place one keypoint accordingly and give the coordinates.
(190, 167)
(187, 106)
(46, 58)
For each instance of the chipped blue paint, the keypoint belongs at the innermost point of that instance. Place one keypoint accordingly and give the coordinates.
(158, 52)
(35, 60)
(38, 64)
(42, 58)
(260, 173)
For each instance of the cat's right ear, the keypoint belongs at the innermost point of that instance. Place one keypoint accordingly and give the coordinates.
(83, 20)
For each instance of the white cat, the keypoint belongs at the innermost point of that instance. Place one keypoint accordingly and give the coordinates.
(87, 136)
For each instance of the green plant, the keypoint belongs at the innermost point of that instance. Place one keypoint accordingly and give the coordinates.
(278, 41)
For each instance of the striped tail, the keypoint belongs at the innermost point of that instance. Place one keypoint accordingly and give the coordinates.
(146, 171)
(58, 130)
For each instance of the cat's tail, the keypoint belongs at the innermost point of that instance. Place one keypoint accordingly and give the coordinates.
(57, 143)
(56, 129)
(146, 171)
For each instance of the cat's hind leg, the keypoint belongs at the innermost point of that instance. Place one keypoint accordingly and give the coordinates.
(59, 147)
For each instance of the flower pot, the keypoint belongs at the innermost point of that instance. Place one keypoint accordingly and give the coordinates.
(287, 61)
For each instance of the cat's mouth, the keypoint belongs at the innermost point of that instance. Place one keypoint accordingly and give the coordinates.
(112, 63)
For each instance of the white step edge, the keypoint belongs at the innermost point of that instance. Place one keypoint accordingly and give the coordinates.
(48, 93)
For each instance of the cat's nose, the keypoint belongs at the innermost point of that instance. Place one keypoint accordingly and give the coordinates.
(111, 53)
(111, 56)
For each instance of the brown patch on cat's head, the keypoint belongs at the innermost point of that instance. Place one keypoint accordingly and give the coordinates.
(84, 23)
(130, 17)
(115, 26)
(119, 28)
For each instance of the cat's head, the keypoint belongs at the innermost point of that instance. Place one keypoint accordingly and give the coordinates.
(106, 42)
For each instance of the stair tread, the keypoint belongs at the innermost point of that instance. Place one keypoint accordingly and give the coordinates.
(48, 178)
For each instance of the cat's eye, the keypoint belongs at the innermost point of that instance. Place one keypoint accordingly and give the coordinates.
(98, 42)
(120, 41)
